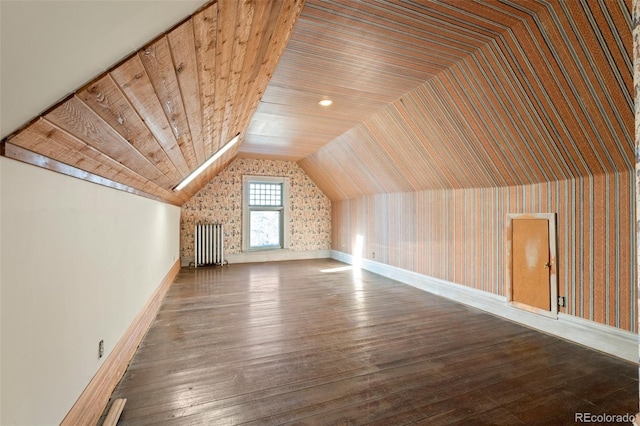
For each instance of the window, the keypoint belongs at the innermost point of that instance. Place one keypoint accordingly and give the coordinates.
(265, 213)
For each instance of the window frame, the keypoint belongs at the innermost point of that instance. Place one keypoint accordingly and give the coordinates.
(246, 210)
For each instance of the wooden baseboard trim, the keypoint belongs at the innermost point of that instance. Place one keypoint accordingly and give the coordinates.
(94, 399)
(114, 412)
(613, 341)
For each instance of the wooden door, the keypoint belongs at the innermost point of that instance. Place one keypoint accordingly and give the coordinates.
(531, 263)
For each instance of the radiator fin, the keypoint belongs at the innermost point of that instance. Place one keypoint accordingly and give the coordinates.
(209, 244)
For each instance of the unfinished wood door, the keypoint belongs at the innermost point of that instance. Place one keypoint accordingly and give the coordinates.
(531, 263)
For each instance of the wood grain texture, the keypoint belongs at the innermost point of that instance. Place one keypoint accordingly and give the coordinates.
(107, 100)
(158, 64)
(171, 105)
(441, 95)
(114, 412)
(134, 82)
(46, 140)
(183, 52)
(313, 342)
(205, 27)
(227, 15)
(530, 239)
(93, 400)
(237, 57)
(76, 118)
(19, 153)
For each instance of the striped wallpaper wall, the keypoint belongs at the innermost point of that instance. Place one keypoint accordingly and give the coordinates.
(539, 119)
(636, 93)
(459, 236)
(550, 99)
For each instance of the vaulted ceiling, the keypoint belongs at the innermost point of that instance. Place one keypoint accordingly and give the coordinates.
(548, 96)
(426, 95)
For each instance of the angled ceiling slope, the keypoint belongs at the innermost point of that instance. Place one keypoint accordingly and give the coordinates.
(548, 96)
(363, 55)
(441, 94)
(152, 119)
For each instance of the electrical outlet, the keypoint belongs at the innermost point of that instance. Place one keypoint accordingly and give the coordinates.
(100, 349)
(561, 301)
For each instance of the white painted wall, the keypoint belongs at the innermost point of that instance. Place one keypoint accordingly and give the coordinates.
(79, 261)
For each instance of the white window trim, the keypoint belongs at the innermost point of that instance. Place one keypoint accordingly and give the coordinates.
(245, 209)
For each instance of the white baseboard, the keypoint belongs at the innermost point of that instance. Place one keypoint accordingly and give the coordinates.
(267, 256)
(607, 339)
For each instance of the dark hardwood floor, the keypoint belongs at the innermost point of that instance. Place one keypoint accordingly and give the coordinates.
(305, 343)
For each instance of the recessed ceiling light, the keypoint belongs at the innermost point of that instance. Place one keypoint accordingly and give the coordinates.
(325, 102)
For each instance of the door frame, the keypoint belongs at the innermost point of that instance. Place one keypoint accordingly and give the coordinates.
(553, 270)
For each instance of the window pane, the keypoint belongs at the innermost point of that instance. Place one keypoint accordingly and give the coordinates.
(265, 229)
(265, 194)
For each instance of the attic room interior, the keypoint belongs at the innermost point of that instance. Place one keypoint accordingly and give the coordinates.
(453, 236)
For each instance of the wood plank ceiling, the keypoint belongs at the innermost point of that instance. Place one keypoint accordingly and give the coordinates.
(147, 123)
(363, 55)
(427, 95)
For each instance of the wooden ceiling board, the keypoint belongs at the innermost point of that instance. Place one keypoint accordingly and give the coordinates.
(311, 141)
(157, 61)
(249, 90)
(205, 27)
(278, 18)
(338, 114)
(27, 156)
(227, 34)
(444, 94)
(105, 98)
(77, 119)
(152, 119)
(283, 125)
(182, 45)
(353, 51)
(53, 142)
(379, 61)
(135, 84)
(276, 148)
(47, 141)
(347, 104)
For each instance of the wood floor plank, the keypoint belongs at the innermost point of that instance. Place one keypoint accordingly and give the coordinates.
(285, 343)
